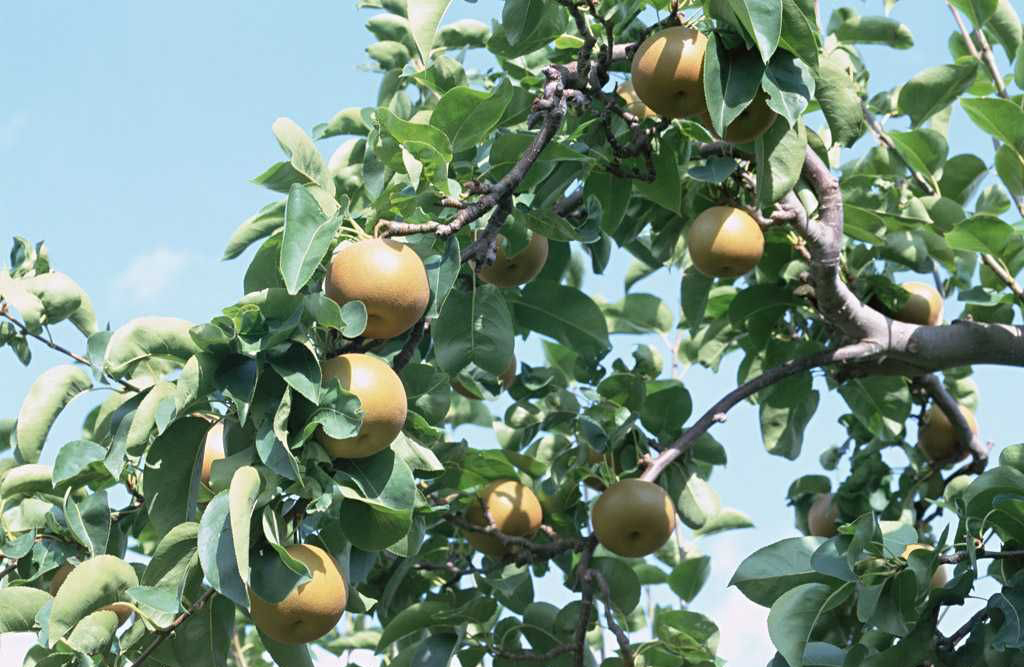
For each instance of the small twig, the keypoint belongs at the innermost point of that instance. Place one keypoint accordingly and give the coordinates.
(620, 635)
(236, 647)
(23, 330)
(884, 139)
(403, 357)
(960, 556)
(543, 550)
(166, 632)
(7, 570)
(950, 642)
(998, 268)
(715, 414)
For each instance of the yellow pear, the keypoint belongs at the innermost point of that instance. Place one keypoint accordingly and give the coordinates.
(937, 437)
(213, 450)
(940, 577)
(668, 72)
(822, 516)
(388, 277)
(518, 269)
(312, 609)
(514, 510)
(923, 307)
(634, 104)
(633, 518)
(384, 402)
(725, 242)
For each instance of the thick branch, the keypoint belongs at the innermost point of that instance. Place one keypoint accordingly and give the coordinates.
(949, 406)
(717, 413)
(960, 556)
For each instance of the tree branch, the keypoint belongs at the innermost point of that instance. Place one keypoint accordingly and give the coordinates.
(960, 556)
(403, 357)
(717, 413)
(620, 635)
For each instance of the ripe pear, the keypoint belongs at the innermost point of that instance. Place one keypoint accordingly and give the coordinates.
(923, 307)
(213, 450)
(940, 577)
(514, 510)
(634, 104)
(822, 516)
(312, 609)
(521, 267)
(123, 609)
(383, 399)
(724, 242)
(388, 277)
(668, 72)
(752, 121)
(633, 518)
(937, 436)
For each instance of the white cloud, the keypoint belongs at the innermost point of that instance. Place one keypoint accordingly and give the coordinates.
(148, 275)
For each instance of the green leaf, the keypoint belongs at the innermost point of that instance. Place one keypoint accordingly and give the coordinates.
(19, 606)
(25, 480)
(175, 555)
(89, 520)
(623, 583)
(464, 33)
(424, 17)
(474, 328)
(468, 116)
(217, 552)
(379, 493)
(851, 27)
(689, 577)
(206, 639)
(305, 164)
(793, 617)
(881, 404)
(46, 398)
(785, 411)
(416, 616)
(307, 237)
(980, 233)
(762, 19)
(1006, 26)
(769, 572)
(269, 219)
(93, 584)
(726, 519)
(170, 480)
(667, 407)
(666, 189)
(933, 89)
(565, 314)
(142, 343)
(731, 79)
(1010, 167)
(695, 290)
(979, 11)
(638, 313)
(780, 157)
(242, 494)
(1003, 119)
(799, 33)
(526, 22)
(426, 142)
(79, 462)
(301, 370)
(94, 632)
(789, 85)
(837, 94)
(62, 299)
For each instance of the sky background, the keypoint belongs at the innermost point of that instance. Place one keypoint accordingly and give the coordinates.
(128, 136)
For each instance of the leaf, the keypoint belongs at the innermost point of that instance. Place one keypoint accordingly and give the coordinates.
(206, 639)
(763, 20)
(697, 501)
(522, 20)
(980, 233)
(416, 616)
(19, 606)
(726, 519)
(242, 494)
(306, 239)
(1003, 119)
(851, 27)
(304, 158)
(25, 480)
(28, 305)
(146, 339)
(298, 367)
(424, 17)
(89, 520)
(464, 33)
(79, 462)
(665, 190)
(427, 143)
(979, 11)
(1010, 167)
(170, 480)
(623, 583)
(46, 398)
(780, 157)
(638, 313)
(793, 617)
(176, 553)
(789, 85)
(785, 411)
(287, 655)
(474, 328)
(933, 89)
(689, 576)
(94, 632)
(769, 572)
(731, 79)
(1006, 26)
(468, 116)
(269, 219)
(217, 553)
(837, 94)
(62, 298)
(379, 493)
(881, 404)
(565, 314)
(442, 271)
(93, 584)
(799, 33)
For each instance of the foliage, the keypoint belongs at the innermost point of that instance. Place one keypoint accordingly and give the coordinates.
(538, 144)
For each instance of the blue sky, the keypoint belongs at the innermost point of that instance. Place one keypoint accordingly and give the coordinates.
(129, 132)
